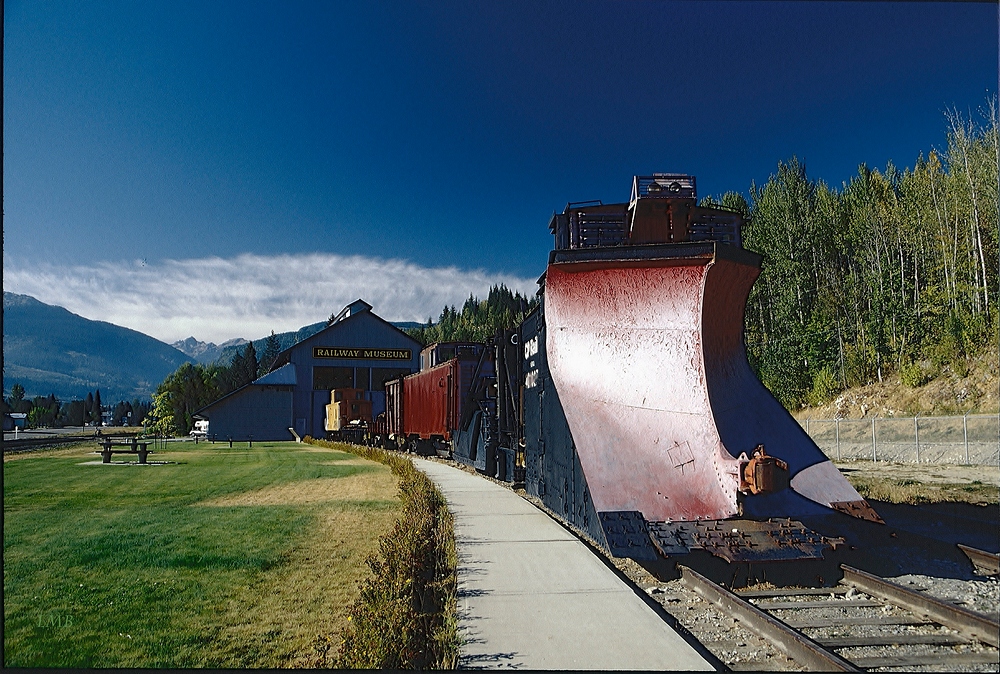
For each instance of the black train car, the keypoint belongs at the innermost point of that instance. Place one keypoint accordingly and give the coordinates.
(643, 424)
(490, 433)
(625, 401)
(552, 467)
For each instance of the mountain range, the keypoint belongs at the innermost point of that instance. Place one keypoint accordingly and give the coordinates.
(205, 352)
(48, 349)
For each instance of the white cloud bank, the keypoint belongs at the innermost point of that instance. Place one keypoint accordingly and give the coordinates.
(215, 299)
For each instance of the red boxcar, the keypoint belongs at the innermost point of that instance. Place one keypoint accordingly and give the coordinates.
(394, 407)
(430, 399)
(423, 410)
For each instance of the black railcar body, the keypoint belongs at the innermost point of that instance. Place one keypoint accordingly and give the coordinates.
(646, 296)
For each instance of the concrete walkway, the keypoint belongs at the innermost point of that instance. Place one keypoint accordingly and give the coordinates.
(531, 595)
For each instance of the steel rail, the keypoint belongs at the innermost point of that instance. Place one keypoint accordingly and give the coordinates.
(792, 643)
(987, 561)
(964, 621)
(28, 444)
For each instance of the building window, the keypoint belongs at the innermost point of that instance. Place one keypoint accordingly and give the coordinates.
(380, 375)
(329, 378)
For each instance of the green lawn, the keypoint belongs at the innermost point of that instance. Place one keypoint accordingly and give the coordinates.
(227, 558)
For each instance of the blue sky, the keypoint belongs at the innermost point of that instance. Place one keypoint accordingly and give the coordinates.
(171, 140)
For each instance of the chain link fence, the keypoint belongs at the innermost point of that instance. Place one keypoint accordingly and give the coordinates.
(973, 439)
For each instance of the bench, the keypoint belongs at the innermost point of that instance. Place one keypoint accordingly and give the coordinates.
(131, 446)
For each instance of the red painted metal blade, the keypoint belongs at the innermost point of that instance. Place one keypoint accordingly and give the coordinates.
(646, 357)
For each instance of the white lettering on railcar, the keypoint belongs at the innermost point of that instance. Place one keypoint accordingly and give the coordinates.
(531, 347)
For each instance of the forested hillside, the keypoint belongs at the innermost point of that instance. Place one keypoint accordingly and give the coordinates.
(479, 320)
(893, 272)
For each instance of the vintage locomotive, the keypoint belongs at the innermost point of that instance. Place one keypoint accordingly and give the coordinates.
(348, 416)
(625, 401)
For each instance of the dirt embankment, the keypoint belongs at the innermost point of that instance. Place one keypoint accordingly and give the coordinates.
(972, 386)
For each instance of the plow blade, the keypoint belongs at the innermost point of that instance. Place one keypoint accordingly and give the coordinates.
(645, 348)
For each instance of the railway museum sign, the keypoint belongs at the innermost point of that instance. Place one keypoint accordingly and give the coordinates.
(361, 353)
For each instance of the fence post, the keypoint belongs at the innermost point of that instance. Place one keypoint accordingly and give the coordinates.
(874, 449)
(916, 436)
(807, 427)
(837, 420)
(965, 431)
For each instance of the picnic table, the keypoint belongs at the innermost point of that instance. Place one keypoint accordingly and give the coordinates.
(128, 446)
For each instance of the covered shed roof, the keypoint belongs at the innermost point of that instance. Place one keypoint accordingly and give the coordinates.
(283, 376)
(352, 310)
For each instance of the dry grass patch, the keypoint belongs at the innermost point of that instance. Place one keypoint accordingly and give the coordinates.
(947, 393)
(277, 621)
(914, 493)
(360, 487)
(321, 450)
(924, 483)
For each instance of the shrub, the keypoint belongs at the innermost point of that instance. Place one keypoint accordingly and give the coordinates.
(405, 617)
(960, 366)
(825, 387)
(860, 363)
(912, 375)
(946, 350)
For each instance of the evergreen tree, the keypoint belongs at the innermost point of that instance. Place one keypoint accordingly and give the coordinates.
(16, 400)
(479, 320)
(76, 413)
(249, 366)
(140, 409)
(272, 347)
(97, 412)
(119, 413)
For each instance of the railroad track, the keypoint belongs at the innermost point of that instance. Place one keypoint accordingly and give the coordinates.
(35, 443)
(865, 622)
(31, 444)
(988, 562)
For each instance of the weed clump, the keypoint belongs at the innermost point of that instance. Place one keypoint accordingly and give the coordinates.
(405, 617)
(914, 492)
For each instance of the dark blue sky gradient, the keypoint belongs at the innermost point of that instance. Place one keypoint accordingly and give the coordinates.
(443, 132)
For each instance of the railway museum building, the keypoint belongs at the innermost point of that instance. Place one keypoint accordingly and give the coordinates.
(357, 349)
